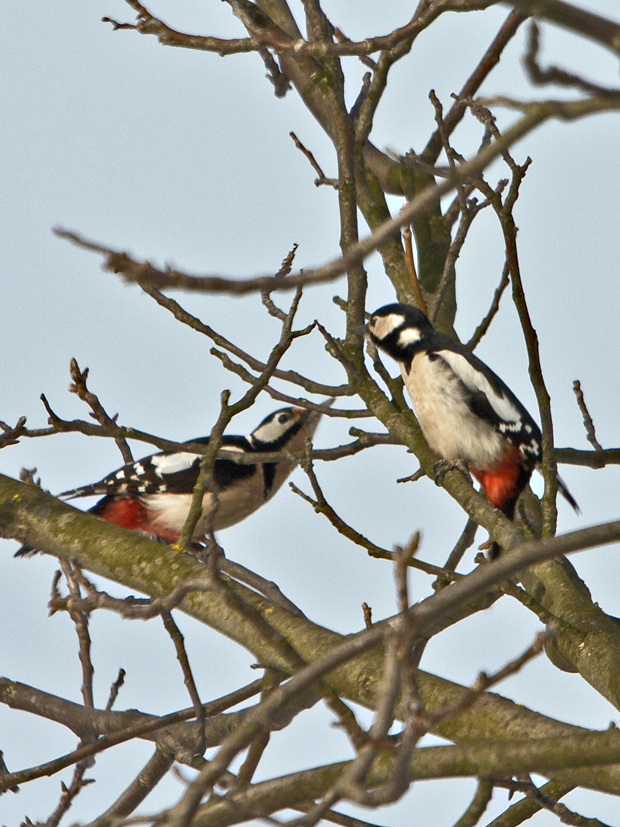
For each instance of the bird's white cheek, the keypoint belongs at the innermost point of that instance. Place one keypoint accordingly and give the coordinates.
(382, 326)
(409, 336)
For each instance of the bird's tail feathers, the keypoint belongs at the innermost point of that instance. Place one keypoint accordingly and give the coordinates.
(568, 496)
(84, 491)
(564, 491)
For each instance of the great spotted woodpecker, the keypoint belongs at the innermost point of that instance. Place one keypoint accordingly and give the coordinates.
(466, 413)
(153, 495)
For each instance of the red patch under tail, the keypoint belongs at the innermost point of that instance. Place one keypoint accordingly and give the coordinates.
(503, 483)
(133, 515)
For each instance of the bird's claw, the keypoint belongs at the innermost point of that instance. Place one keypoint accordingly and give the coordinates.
(155, 538)
(441, 468)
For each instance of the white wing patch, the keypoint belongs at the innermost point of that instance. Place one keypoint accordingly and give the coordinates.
(181, 461)
(173, 463)
(476, 381)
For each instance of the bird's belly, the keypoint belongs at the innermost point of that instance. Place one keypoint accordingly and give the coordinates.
(447, 422)
(234, 505)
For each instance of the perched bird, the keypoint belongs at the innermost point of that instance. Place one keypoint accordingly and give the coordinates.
(466, 413)
(153, 495)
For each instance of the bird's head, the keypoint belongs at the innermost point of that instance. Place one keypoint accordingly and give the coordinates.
(399, 329)
(287, 427)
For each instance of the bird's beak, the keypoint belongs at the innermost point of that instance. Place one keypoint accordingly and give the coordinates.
(308, 415)
(362, 330)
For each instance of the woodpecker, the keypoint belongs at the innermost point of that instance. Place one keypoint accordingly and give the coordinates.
(466, 413)
(153, 495)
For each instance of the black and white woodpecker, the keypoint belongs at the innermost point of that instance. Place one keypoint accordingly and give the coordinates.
(466, 413)
(153, 495)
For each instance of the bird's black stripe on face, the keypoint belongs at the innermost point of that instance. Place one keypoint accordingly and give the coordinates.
(277, 444)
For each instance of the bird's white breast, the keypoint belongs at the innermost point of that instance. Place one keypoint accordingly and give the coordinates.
(451, 429)
(234, 505)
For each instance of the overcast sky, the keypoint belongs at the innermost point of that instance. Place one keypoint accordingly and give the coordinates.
(183, 157)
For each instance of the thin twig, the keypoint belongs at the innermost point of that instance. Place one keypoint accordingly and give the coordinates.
(321, 506)
(413, 275)
(206, 478)
(188, 319)
(464, 542)
(98, 411)
(115, 688)
(321, 178)
(566, 816)
(11, 435)
(153, 724)
(267, 588)
(80, 619)
(553, 74)
(179, 645)
(68, 794)
(484, 325)
(587, 419)
(486, 64)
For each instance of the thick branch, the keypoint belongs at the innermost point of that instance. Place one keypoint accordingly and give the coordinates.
(32, 516)
(431, 762)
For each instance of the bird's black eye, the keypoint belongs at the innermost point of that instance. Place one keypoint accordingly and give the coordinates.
(283, 418)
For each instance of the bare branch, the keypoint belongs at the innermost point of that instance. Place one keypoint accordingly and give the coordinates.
(566, 816)
(486, 322)
(581, 22)
(265, 33)
(11, 435)
(479, 803)
(78, 782)
(553, 74)
(145, 273)
(98, 411)
(587, 419)
(489, 60)
(412, 269)
(122, 734)
(145, 782)
(321, 506)
(179, 645)
(590, 459)
(288, 375)
(115, 689)
(148, 24)
(80, 619)
(527, 807)
(321, 178)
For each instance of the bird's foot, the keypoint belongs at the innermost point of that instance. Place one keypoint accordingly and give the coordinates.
(210, 553)
(156, 538)
(441, 468)
(492, 548)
